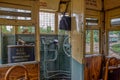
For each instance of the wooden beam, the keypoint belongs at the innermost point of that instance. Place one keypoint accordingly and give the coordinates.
(77, 31)
(18, 2)
(15, 22)
(8, 5)
(35, 20)
(91, 42)
(65, 0)
(1, 42)
(56, 23)
(10, 13)
(93, 27)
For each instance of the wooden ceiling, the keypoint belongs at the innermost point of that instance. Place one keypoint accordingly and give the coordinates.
(110, 4)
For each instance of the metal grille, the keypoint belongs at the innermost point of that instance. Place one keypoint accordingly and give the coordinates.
(47, 21)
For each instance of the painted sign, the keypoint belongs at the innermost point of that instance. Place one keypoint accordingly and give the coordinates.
(20, 53)
(49, 5)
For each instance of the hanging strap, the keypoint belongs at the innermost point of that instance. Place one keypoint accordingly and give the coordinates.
(67, 3)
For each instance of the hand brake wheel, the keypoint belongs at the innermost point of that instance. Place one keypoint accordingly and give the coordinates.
(67, 46)
(11, 69)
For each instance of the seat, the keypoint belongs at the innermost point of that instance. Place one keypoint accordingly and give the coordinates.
(111, 64)
(98, 67)
(17, 68)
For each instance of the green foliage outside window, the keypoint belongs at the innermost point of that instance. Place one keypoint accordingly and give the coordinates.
(6, 30)
(46, 30)
(116, 48)
(95, 35)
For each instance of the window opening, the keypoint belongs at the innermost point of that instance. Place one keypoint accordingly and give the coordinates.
(92, 41)
(12, 13)
(47, 22)
(115, 22)
(91, 21)
(114, 44)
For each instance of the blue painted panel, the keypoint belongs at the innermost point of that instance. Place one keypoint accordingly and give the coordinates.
(77, 70)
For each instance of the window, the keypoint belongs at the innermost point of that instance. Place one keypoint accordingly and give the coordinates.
(24, 40)
(26, 30)
(19, 29)
(91, 21)
(14, 21)
(92, 35)
(47, 22)
(92, 41)
(7, 29)
(12, 13)
(115, 22)
(114, 44)
(15, 14)
(14, 10)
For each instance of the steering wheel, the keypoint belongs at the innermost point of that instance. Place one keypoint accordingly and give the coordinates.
(67, 46)
(11, 69)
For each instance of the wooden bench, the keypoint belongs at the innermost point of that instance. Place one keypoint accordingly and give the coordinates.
(98, 67)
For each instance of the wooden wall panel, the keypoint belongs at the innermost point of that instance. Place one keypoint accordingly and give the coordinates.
(18, 2)
(111, 14)
(77, 37)
(16, 22)
(78, 6)
(92, 67)
(109, 4)
(33, 71)
(92, 13)
(77, 47)
(93, 4)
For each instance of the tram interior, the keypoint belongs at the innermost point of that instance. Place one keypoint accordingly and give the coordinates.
(37, 44)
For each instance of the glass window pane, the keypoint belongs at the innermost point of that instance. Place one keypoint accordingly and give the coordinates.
(7, 29)
(14, 10)
(115, 22)
(96, 41)
(17, 14)
(88, 32)
(13, 17)
(114, 44)
(26, 30)
(17, 47)
(92, 41)
(47, 22)
(91, 21)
